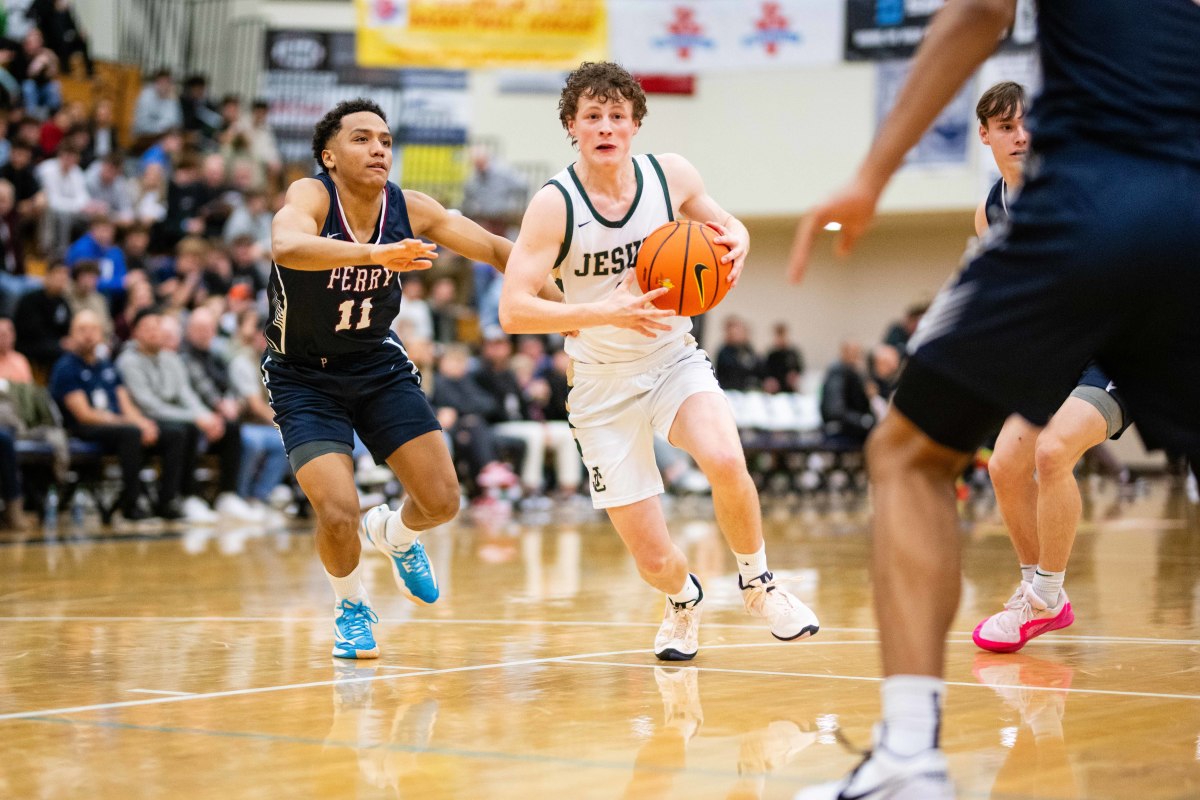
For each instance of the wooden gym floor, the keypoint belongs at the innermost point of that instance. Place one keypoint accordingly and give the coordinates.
(196, 664)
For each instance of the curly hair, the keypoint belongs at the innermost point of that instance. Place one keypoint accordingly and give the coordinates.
(603, 81)
(331, 123)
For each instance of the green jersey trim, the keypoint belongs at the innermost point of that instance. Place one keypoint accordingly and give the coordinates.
(637, 173)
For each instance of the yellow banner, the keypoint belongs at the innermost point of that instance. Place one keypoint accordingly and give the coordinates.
(463, 34)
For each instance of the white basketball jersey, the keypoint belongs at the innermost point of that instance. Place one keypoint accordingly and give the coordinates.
(597, 251)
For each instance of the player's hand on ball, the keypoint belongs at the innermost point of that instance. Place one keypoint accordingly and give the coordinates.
(738, 250)
(636, 311)
(405, 255)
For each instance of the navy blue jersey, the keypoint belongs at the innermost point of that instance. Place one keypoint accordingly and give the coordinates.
(328, 313)
(996, 205)
(1123, 74)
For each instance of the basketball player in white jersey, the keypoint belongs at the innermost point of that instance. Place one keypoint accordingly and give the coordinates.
(1041, 512)
(636, 368)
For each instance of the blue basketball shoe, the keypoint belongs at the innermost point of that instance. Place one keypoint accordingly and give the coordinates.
(352, 636)
(410, 567)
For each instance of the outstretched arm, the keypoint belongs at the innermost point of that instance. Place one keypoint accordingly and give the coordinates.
(963, 33)
(297, 243)
(464, 236)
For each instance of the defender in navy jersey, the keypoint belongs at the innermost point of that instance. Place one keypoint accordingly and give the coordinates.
(1099, 259)
(1041, 513)
(332, 367)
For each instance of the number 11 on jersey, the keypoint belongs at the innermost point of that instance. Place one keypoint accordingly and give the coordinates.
(347, 309)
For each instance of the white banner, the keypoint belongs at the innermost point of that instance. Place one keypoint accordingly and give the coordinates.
(697, 36)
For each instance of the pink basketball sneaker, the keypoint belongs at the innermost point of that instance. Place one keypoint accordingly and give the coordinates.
(1025, 616)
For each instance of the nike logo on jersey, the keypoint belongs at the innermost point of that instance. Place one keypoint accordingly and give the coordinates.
(585, 222)
(700, 270)
(332, 235)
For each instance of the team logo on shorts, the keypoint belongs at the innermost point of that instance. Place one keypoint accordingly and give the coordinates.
(597, 480)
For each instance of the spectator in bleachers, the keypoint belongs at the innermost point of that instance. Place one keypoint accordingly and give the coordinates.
(215, 198)
(162, 152)
(110, 190)
(150, 205)
(43, 318)
(19, 18)
(84, 296)
(180, 282)
(845, 401)
(139, 296)
(20, 171)
(99, 245)
(263, 146)
(200, 118)
(446, 310)
(883, 370)
(248, 266)
(135, 246)
(494, 194)
(104, 129)
(209, 375)
(10, 88)
(217, 275)
(56, 20)
(231, 118)
(39, 80)
(67, 199)
(157, 109)
(54, 130)
(157, 380)
(533, 347)
(186, 196)
(784, 365)
(252, 217)
(462, 409)
(414, 311)
(898, 332)
(97, 408)
(28, 131)
(13, 365)
(738, 366)
(264, 461)
(13, 280)
(512, 417)
(13, 517)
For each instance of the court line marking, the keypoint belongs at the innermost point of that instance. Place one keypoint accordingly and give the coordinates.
(485, 755)
(570, 658)
(1064, 638)
(1113, 692)
(161, 691)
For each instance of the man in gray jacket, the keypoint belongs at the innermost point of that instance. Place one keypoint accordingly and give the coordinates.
(157, 381)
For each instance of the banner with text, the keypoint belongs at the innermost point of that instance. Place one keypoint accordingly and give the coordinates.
(697, 36)
(547, 34)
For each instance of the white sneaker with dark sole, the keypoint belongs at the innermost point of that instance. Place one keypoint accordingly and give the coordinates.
(678, 637)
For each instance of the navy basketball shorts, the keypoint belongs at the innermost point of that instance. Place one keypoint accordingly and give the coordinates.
(1101, 259)
(377, 393)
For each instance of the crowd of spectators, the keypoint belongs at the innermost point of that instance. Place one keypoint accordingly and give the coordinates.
(854, 391)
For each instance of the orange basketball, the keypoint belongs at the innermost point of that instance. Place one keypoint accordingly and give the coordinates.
(682, 256)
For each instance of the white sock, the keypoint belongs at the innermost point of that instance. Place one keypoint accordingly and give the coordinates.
(348, 588)
(912, 713)
(398, 534)
(1027, 571)
(688, 594)
(752, 565)
(1047, 585)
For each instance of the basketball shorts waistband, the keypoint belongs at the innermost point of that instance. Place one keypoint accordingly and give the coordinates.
(625, 369)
